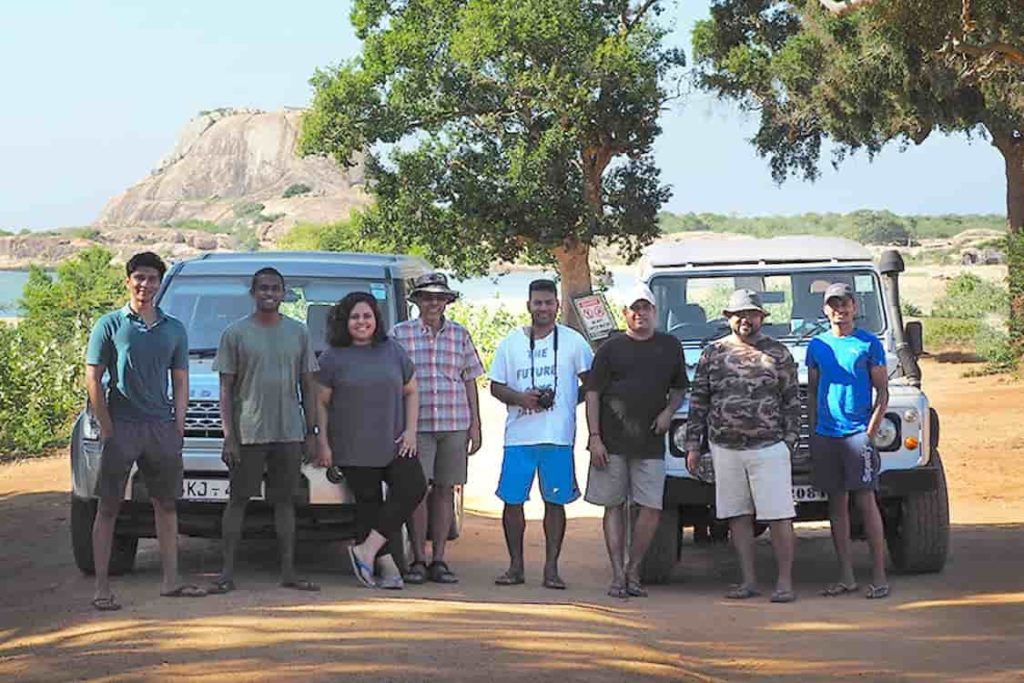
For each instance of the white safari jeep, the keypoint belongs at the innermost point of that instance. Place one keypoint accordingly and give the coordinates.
(692, 281)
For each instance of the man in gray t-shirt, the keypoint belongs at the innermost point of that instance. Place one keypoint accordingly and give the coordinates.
(266, 365)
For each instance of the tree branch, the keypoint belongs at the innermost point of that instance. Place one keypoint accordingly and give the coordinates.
(629, 20)
(1008, 52)
(841, 7)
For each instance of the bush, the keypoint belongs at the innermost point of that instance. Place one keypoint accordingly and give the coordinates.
(85, 233)
(969, 297)
(488, 325)
(346, 235)
(950, 332)
(297, 189)
(201, 225)
(911, 310)
(248, 209)
(993, 346)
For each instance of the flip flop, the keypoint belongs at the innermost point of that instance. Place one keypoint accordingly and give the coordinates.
(839, 588)
(301, 585)
(741, 593)
(510, 579)
(417, 573)
(220, 587)
(554, 582)
(188, 590)
(618, 591)
(783, 596)
(635, 589)
(106, 604)
(363, 572)
(391, 583)
(440, 573)
(877, 592)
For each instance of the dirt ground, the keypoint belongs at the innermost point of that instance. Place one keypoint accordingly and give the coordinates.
(965, 624)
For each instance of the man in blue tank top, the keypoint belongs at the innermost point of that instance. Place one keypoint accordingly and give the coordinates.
(849, 390)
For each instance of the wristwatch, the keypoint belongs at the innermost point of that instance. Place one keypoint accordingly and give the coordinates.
(313, 431)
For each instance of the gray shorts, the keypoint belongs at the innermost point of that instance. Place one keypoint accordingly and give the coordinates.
(643, 479)
(848, 463)
(443, 456)
(281, 461)
(155, 446)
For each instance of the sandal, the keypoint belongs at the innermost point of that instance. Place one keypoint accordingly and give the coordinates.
(510, 578)
(635, 588)
(440, 573)
(554, 582)
(363, 573)
(877, 592)
(391, 583)
(417, 573)
(617, 590)
(109, 604)
(301, 585)
(839, 588)
(741, 593)
(783, 596)
(188, 590)
(220, 587)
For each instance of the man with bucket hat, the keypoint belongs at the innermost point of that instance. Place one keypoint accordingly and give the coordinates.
(848, 388)
(447, 365)
(745, 405)
(635, 386)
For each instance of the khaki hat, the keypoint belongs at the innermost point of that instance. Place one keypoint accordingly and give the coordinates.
(433, 283)
(744, 300)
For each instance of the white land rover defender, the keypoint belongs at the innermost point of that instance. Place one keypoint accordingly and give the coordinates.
(692, 281)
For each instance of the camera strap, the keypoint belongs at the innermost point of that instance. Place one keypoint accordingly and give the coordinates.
(533, 343)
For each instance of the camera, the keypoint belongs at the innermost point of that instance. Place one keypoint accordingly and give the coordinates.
(546, 398)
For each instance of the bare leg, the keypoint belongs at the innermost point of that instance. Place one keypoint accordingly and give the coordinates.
(839, 519)
(231, 534)
(513, 520)
(284, 527)
(614, 539)
(644, 528)
(419, 529)
(441, 512)
(868, 507)
(166, 514)
(102, 541)
(742, 531)
(554, 534)
(783, 542)
(368, 549)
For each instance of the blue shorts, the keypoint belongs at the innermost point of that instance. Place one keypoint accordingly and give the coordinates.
(557, 474)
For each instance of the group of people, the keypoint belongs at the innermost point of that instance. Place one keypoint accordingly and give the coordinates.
(401, 408)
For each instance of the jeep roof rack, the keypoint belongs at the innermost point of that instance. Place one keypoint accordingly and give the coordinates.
(311, 263)
(746, 250)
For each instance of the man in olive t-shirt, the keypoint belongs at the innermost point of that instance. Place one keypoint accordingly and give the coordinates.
(266, 362)
(637, 383)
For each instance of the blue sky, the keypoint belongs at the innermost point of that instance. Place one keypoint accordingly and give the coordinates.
(96, 92)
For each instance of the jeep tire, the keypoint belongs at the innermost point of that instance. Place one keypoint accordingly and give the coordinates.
(122, 551)
(663, 553)
(918, 533)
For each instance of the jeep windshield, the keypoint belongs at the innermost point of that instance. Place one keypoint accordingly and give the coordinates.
(690, 306)
(208, 304)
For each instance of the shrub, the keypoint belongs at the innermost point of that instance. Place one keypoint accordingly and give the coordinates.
(911, 310)
(84, 233)
(488, 325)
(993, 346)
(5, 233)
(248, 209)
(969, 297)
(297, 189)
(949, 332)
(201, 225)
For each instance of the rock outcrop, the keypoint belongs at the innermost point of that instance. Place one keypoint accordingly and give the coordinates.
(227, 159)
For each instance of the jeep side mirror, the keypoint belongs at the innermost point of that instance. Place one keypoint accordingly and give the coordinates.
(915, 337)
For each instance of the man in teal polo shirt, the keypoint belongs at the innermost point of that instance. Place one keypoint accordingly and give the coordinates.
(137, 346)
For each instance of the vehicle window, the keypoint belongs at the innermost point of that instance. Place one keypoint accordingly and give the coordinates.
(207, 305)
(690, 307)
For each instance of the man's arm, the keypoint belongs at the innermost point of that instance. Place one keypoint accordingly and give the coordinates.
(880, 382)
(229, 451)
(407, 441)
(98, 400)
(700, 406)
(510, 397)
(789, 389)
(664, 419)
(598, 451)
(307, 385)
(813, 377)
(473, 399)
(324, 456)
(179, 384)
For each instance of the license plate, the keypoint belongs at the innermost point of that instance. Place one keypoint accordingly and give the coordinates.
(808, 494)
(209, 489)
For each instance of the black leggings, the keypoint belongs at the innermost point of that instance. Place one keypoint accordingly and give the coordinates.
(406, 488)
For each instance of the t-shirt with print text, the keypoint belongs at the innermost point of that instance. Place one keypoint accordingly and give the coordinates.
(844, 399)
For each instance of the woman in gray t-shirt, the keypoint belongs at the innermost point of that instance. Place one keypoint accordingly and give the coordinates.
(368, 409)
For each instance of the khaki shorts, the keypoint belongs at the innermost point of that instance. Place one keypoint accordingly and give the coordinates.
(155, 446)
(643, 479)
(281, 461)
(757, 482)
(443, 456)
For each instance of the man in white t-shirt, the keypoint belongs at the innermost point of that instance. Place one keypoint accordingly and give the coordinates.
(536, 372)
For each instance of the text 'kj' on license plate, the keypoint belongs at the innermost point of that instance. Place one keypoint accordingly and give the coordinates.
(808, 494)
(209, 489)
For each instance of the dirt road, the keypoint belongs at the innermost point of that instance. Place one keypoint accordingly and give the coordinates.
(964, 624)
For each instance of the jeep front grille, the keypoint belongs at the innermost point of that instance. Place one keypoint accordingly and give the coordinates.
(202, 419)
(802, 458)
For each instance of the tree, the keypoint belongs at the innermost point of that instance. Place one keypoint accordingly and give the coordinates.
(863, 73)
(514, 129)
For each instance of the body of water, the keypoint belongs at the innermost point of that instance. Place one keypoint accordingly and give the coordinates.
(511, 287)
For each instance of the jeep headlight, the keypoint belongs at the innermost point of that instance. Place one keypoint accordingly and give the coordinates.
(888, 434)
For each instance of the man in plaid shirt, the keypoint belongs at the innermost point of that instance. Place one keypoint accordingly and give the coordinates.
(447, 365)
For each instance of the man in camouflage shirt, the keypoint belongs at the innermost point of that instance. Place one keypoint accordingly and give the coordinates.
(745, 405)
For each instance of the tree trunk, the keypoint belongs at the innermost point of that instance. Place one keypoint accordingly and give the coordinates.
(1011, 145)
(573, 259)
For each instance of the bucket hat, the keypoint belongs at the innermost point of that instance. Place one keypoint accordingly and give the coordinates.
(432, 283)
(744, 300)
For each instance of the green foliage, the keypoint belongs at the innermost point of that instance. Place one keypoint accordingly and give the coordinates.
(911, 310)
(85, 233)
(1015, 280)
(5, 233)
(296, 189)
(993, 346)
(201, 225)
(524, 126)
(940, 333)
(42, 358)
(488, 325)
(969, 297)
(248, 209)
(345, 235)
(246, 239)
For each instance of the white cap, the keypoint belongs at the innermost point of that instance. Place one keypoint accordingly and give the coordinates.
(640, 292)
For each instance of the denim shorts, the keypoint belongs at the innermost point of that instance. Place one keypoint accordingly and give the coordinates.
(552, 462)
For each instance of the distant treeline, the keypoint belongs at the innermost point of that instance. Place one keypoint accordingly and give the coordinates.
(870, 227)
